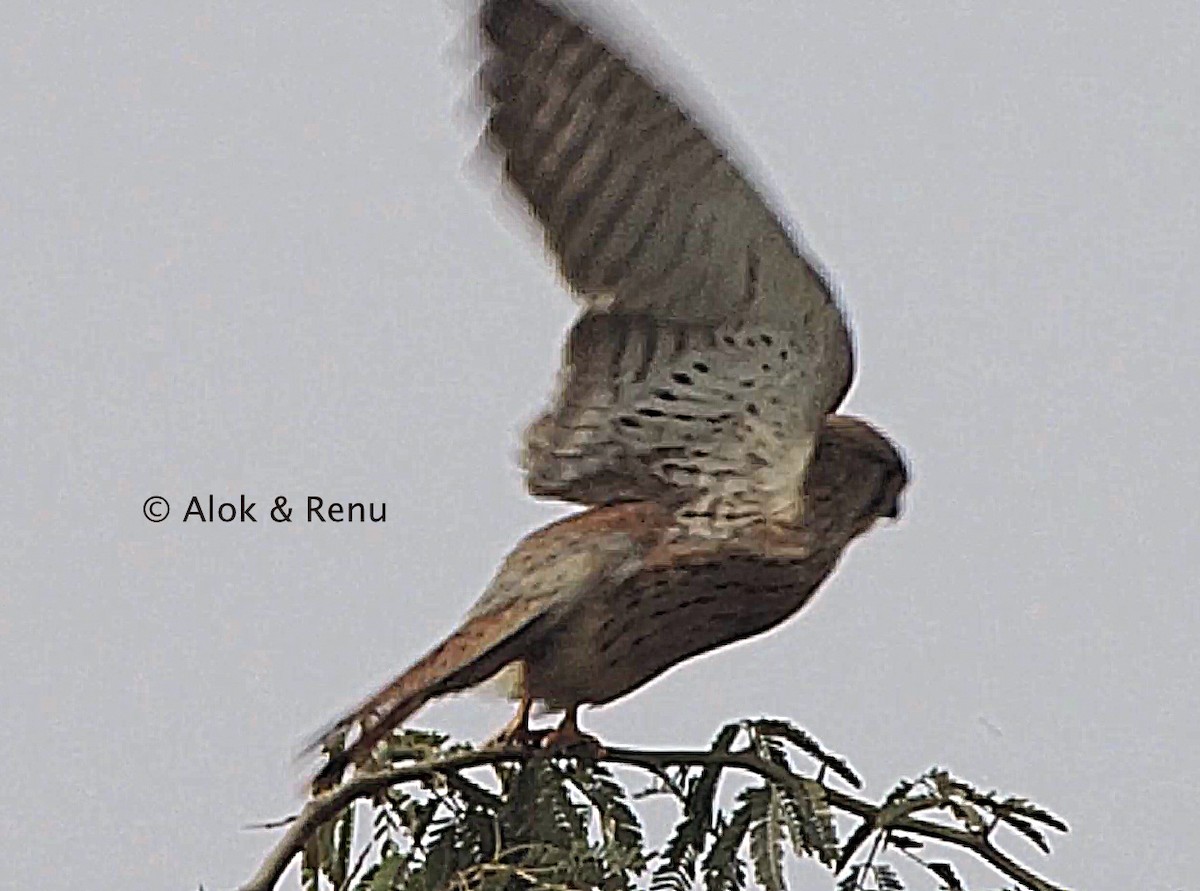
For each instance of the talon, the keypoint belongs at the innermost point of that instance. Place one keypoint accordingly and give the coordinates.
(517, 731)
(567, 736)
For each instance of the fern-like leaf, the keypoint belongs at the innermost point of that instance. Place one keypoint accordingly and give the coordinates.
(775, 727)
(810, 822)
(1034, 812)
(723, 868)
(886, 878)
(1027, 829)
(385, 875)
(766, 837)
(946, 874)
(851, 881)
(620, 829)
(675, 874)
(687, 840)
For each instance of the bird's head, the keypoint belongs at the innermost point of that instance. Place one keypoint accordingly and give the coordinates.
(857, 468)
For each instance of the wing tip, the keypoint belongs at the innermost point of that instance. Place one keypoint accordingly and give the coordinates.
(499, 19)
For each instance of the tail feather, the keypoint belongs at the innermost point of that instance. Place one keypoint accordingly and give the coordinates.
(547, 572)
(480, 648)
(331, 773)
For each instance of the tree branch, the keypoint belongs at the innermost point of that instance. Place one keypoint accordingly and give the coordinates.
(324, 807)
(871, 813)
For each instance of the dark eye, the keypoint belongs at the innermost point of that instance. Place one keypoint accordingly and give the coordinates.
(882, 505)
(886, 502)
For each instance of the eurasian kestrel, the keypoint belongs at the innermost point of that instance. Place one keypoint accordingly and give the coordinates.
(694, 413)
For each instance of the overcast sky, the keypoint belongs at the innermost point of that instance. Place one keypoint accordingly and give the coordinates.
(244, 251)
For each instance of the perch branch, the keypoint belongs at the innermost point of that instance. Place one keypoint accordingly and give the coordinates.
(324, 807)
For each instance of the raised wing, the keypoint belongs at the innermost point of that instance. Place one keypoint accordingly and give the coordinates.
(644, 212)
(711, 350)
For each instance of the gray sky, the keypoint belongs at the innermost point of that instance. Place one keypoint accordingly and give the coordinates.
(242, 252)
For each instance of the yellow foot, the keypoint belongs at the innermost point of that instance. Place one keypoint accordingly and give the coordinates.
(518, 735)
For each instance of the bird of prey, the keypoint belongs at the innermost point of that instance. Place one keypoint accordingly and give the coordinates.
(695, 412)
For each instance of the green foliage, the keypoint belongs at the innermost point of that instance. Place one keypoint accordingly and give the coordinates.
(564, 821)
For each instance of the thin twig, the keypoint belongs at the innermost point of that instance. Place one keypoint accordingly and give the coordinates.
(323, 807)
(358, 865)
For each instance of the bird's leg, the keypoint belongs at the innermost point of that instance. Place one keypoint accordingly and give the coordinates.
(567, 735)
(517, 732)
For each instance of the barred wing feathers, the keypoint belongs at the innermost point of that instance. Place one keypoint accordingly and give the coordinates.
(710, 350)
